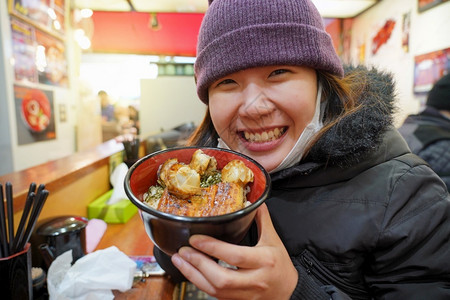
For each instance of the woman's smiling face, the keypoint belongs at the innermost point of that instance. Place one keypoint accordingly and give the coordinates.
(262, 111)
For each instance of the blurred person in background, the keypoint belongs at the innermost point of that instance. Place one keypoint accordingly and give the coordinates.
(428, 133)
(352, 213)
(110, 125)
(134, 117)
(107, 107)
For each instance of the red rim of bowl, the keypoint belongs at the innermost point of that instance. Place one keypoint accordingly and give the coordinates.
(220, 218)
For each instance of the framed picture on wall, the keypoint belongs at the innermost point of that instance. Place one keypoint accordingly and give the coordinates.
(35, 116)
(424, 5)
(38, 56)
(46, 15)
(429, 68)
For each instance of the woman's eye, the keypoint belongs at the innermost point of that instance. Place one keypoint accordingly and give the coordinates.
(278, 72)
(225, 81)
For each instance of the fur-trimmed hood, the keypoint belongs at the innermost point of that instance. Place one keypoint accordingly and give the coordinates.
(352, 138)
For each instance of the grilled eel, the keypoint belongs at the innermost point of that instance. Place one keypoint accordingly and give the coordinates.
(218, 199)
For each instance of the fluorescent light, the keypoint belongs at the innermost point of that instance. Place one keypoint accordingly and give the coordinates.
(342, 8)
(184, 59)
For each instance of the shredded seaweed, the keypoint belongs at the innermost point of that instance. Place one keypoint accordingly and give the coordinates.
(154, 194)
(210, 179)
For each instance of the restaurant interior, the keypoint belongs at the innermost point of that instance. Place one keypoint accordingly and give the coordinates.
(141, 54)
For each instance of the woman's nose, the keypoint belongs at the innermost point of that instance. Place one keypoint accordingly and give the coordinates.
(256, 102)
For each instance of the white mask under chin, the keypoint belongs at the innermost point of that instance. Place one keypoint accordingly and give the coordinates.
(296, 153)
(222, 144)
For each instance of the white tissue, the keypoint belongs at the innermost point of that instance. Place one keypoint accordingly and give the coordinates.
(92, 277)
(116, 179)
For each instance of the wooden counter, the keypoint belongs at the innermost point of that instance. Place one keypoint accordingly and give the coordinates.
(75, 181)
(132, 240)
(72, 181)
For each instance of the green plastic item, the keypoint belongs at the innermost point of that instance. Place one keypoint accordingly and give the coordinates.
(119, 212)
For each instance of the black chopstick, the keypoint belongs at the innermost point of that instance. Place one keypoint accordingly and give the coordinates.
(26, 211)
(3, 237)
(10, 212)
(41, 196)
(34, 203)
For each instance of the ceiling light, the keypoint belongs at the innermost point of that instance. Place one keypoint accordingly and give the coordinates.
(86, 13)
(83, 41)
(343, 8)
(41, 61)
(51, 13)
(56, 25)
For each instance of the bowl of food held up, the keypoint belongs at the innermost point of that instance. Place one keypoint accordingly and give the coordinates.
(196, 190)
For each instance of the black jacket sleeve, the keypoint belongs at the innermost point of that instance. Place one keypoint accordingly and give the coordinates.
(438, 157)
(307, 288)
(412, 257)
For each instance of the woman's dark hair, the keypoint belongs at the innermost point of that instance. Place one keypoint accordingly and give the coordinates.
(205, 134)
(342, 95)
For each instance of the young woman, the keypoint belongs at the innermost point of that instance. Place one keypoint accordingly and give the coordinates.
(352, 213)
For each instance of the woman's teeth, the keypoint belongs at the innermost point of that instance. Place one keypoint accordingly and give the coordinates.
(265, 136)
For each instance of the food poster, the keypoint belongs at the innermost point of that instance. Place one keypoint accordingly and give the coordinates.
(48, 15)
(51, 60)
(35, 116)
(429, 68)
(383, 35)
(406, 28)
(24, 51)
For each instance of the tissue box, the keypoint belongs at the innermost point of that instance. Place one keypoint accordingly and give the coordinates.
(119, 212)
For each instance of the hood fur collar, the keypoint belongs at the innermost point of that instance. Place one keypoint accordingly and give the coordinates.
(355, 136)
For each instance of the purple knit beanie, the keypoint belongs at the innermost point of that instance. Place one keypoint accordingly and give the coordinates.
(240, 34)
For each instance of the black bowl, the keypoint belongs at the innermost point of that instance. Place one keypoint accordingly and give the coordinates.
(170, 232)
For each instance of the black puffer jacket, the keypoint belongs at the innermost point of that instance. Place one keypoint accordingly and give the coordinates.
(362, 217)
(428, 136)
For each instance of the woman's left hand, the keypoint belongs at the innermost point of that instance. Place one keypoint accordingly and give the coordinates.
(264, 271)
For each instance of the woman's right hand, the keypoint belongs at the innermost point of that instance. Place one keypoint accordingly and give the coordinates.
(264, 271)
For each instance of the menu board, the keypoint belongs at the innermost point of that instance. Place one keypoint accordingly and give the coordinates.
(47, 15)
(24, 51)
(38, 57)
